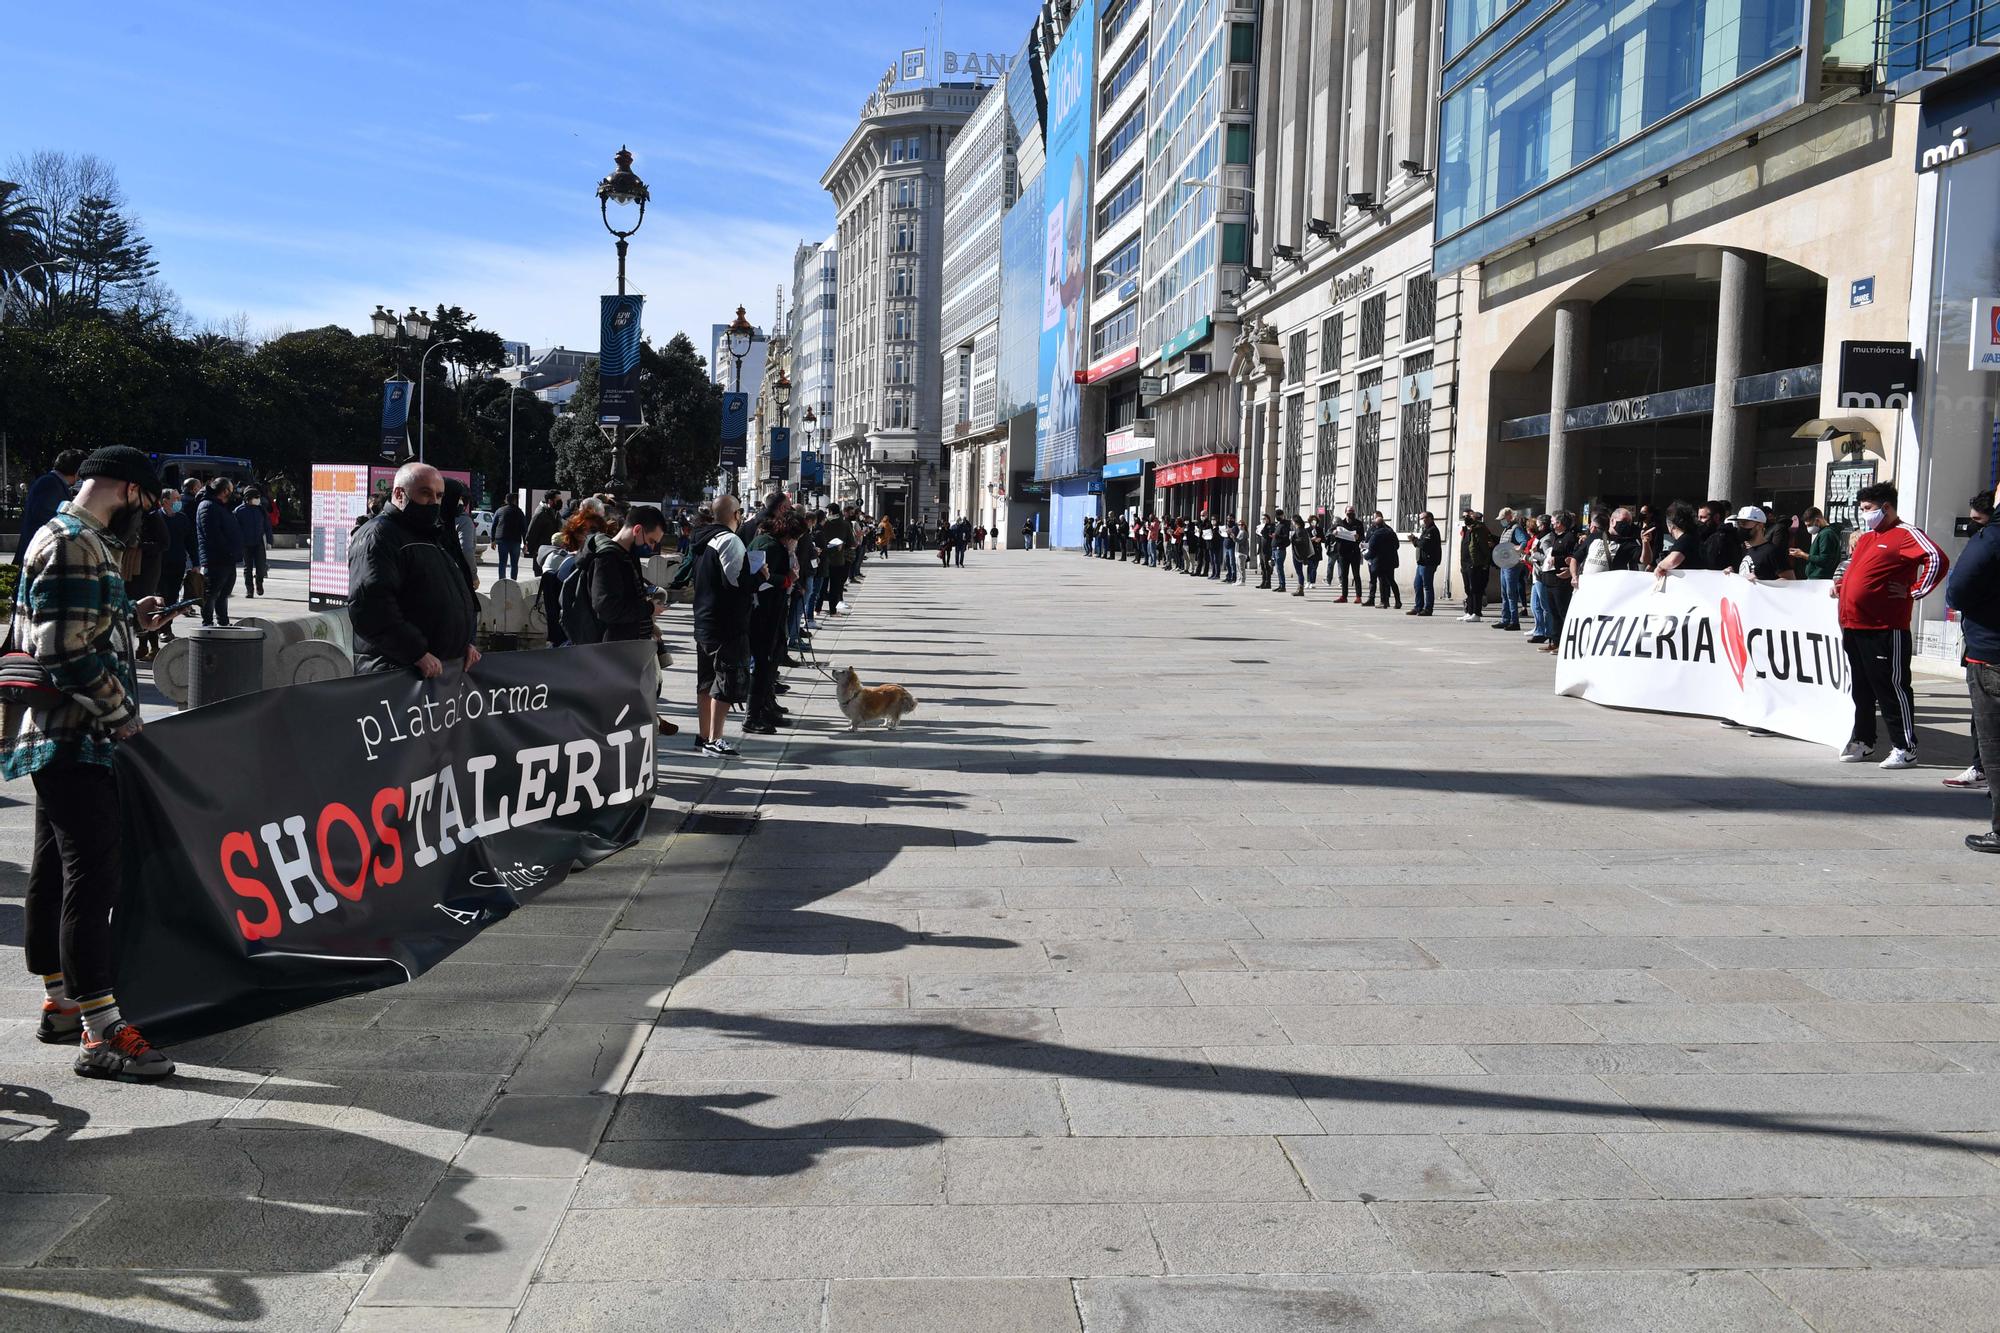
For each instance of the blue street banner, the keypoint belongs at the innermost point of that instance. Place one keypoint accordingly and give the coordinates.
(618, 362)
(395, 418)
(1066, 242)
(781, 450)
(810, 472)
(735, 429)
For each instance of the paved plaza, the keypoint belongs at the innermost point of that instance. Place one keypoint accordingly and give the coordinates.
(1194, 959)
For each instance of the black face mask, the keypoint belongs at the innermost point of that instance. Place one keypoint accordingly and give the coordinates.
(421, 517)
(1625, 531)
(128, 522)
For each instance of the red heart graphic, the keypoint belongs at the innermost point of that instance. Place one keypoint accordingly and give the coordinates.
(1733, 643)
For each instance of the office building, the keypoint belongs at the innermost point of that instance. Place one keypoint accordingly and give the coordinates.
(887, 183)
(815, 278)
(979, 188)
(1023, 236)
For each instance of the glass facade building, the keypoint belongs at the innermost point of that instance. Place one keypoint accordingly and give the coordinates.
(1551, 106)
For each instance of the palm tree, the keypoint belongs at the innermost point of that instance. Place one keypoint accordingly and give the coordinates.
(20, 246)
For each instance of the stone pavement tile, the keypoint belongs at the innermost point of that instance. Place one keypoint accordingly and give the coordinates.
(1344, 1061)
(1067, 955)
(901, 1108)
(1231, 1104)
(228, 1235)
(1264, 988)
(1607, 1234)
(1955, 950)
(198, 1094)
(1047, 991)
(709, 960)
(1103, 1170)
(674, 1307)
(951, 1305)
(1124, 896)
(1980, 1056)
(1599, 985)
(631, 966)
(1901, 1022)
(1878, 1299)
(1330, 955)
(1822, 1057)
(1368, 1167)
(1183, 1025)
(33, 1224)
(930, 955)
(1871, 1103)
(476, 1243)
(759, 1065)
(1729, 1166)
(553, 918)
(651, 1173)
(535, 1135)
(1207, 924)
(579, 1057)
(1029, 1059)
(1601, 1058)
(491, 946)
(381, 1048)
(1783, 952)
(1673, 923)
(1421, 1303)
(762, 994)
(957, 1240)
(426, 1319)
(98, 1301)
(1945, 920)
(1259, 1238)
(1876, 985)
(1833, 919)
(1696, 1302)
(1398, 1024)
(1488, 1104)
(513, 983)
(1912, 1232)
(961, 1107)
(1551, 1166)
(423, 1013)
(1556, 951)
(1684, 1023)
(1747, 985)
(612, 1004)
(1411, 923)
(852, 1029)
(367, 1100)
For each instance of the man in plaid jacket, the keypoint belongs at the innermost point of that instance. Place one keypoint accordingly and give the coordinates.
(73, 616)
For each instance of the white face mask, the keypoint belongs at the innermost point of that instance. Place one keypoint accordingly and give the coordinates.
(1871, 519)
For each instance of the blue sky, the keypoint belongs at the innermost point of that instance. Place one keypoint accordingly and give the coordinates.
(297, 163)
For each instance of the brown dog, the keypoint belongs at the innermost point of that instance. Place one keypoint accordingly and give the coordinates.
(870, 703)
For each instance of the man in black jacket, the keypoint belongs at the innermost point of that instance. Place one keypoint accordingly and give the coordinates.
(721, 617)
(543, 527)
(510, 525)
(409, 599)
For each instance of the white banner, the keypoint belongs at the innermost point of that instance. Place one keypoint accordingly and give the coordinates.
(1763, 654)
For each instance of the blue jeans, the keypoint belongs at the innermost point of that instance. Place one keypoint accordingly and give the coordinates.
(1510, 595)
(1540, 609)
(510, 559)
(1229, 562)
(1278, 564)
(1424, 590)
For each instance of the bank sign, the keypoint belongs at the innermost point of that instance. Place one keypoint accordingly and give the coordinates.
(1066, 247)
(1986, 333)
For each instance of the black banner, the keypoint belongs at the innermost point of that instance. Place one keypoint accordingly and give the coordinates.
(302, 844)
(618, 362)
(395, 419)
(735, 429)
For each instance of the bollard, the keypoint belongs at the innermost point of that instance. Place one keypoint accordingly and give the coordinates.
(223, 662)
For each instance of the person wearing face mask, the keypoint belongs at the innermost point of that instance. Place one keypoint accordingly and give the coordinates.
(1974, 593)
(1828, 549)
(219, 545)
(74, 620)
(179, 522)
(408, 595)
(1892, 567)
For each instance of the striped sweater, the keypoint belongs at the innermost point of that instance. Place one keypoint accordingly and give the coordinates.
(72, 612)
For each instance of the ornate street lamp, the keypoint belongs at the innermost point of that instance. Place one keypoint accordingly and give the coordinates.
(413, 327)
(623, 188)
(741, 335)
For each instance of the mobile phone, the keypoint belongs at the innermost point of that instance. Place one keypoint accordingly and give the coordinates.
(179, 607)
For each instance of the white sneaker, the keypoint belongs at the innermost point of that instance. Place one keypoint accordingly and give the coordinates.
(1856, 752)
(1900, 758)
(1972, 779)
(1466, 620)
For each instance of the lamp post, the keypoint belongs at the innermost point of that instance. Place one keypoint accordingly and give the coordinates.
(624, 188)
(811, 422)
(741, 334)
(411, 327)
(783, 393)
(423, 381)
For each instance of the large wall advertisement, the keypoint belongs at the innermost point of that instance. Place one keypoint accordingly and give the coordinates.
(1066, 217)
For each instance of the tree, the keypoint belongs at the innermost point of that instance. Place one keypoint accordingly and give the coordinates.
(105, 261)
(481, 349)
(675, 457)
(19, 247)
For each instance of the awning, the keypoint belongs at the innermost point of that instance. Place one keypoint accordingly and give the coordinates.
(1195, 469)
(1128, 467)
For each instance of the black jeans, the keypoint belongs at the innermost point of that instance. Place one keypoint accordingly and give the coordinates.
(1555, 601)
(1878, 672)
(73, 878)
(221, 580)
(1349, 561)
(1384, 585)
(1475, 592)
(1984, 683)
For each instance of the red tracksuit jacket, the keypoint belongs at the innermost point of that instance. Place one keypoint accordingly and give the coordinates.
(1887, 570)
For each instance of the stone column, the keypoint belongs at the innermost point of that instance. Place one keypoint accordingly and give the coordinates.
(1565, 386)
(1739, 342)
(1246, 458)
(1274, 442)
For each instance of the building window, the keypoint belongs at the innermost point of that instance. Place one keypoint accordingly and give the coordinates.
(1120, 201)
(896, 150)
(965, 384)
(1413, 461)
(1367, 441)
(1326, 463)
(916, 148)
(1242, 43)
(1121, 78)
(1295, 427)
(1118, 19)
(1329, 343)
(902, 282)
(1122, 138)
(1295, 358)
(1235, 243)
(1238, 153)
(904, 194)
(1374, 325)
(1114, 332)
(1114, 271)
(899, 323)
(1419, 307)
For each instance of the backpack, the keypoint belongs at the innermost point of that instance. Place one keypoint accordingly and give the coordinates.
(579, 622)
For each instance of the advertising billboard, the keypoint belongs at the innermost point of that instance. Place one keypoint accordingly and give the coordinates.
(1066, 243)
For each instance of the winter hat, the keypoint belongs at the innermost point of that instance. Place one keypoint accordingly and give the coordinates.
(121, 462)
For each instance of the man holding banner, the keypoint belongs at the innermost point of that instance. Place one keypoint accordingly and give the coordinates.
(1891, 567)
(1974, 592)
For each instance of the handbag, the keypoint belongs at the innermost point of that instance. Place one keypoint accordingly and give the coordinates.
(24, 681)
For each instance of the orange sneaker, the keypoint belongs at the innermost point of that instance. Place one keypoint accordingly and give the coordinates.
(125, 1056)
